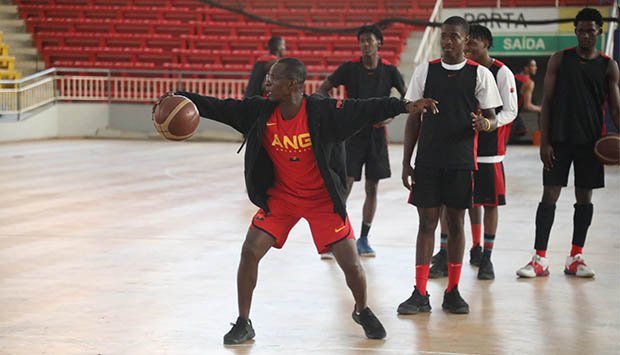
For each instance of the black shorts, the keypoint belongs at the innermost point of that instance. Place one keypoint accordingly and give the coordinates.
(369, 148)
(435, 187)
(489, 185)
(589, 172)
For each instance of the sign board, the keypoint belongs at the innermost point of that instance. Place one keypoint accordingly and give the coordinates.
(507, 13)
(534, 44)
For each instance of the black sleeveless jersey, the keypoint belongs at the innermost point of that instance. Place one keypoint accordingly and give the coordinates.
(494, 143)
(447, 139)
(581, 89)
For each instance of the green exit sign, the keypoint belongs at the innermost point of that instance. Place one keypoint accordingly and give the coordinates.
(534, 45)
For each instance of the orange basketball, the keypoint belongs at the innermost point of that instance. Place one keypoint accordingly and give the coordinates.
(176, 118)
(607, 149)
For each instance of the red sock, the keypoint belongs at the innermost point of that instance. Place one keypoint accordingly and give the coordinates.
(576, 250)
(476, 234)
(421, 278)
(541, 253)
(454, 275)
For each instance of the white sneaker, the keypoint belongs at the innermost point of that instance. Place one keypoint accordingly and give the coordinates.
(537, 267)
(575, 265)
(327, 256)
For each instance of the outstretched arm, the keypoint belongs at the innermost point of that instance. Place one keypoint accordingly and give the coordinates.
(239, 114)
(352, 115)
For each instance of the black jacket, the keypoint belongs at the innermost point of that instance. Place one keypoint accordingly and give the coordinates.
(330, 123)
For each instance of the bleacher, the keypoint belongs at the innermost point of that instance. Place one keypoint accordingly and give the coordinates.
(7, 62)
(188, 35)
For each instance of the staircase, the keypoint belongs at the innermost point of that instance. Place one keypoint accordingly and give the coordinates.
(27, 59)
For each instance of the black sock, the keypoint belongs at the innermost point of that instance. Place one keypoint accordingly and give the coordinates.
(489, 240)
(365, 230)
(581, 221)
(544, 221)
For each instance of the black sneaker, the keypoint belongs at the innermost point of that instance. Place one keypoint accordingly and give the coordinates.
(415, 304)
(440, 266)
(454, 303)
(241, 331)
(436, 257)
(485, 272)
(372, 327)
(475, 255)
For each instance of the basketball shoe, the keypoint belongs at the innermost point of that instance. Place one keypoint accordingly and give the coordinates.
(241, 331)
(415, 304)
(363, 248)
(372, 327)
(537, 267)
(576, 266)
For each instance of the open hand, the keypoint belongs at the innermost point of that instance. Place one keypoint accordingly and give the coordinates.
(422, 106)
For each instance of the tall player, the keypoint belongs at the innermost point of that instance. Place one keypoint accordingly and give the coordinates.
(445, 159)
(368, 76)
(295, 168)
(577, 83)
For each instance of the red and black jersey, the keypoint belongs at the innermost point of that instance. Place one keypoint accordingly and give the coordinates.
(521, 79)
(447, 139)
(494, 143)
(581, 89)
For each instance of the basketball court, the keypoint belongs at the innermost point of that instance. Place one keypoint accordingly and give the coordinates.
(120, 246)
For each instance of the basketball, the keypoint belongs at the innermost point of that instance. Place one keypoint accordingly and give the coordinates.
(176, 118)
(607, 149)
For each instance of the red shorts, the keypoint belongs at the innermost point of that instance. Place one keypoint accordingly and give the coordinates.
(327, 226)
(489, 185)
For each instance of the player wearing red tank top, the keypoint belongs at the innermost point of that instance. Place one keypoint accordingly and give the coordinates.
(295, 168)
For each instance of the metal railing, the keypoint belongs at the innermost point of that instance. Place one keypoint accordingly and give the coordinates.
(609, 46)
(429, 45)
(102, 85)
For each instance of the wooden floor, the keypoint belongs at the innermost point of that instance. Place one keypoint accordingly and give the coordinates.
(131, 247)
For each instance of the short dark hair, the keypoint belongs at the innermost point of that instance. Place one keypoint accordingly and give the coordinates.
(528, 62)
(457, 21)
(373, 29)
(589, 14)
(482, 33)
(273, 43)
(294, 69)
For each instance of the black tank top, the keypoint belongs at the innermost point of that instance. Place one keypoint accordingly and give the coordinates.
(447, 139)
(493, 143)
(580, 93)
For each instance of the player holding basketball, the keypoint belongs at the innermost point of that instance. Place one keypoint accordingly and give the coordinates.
(445, 159)
(295, 168)
(368, 76)
(489, 182)
(577, 83)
